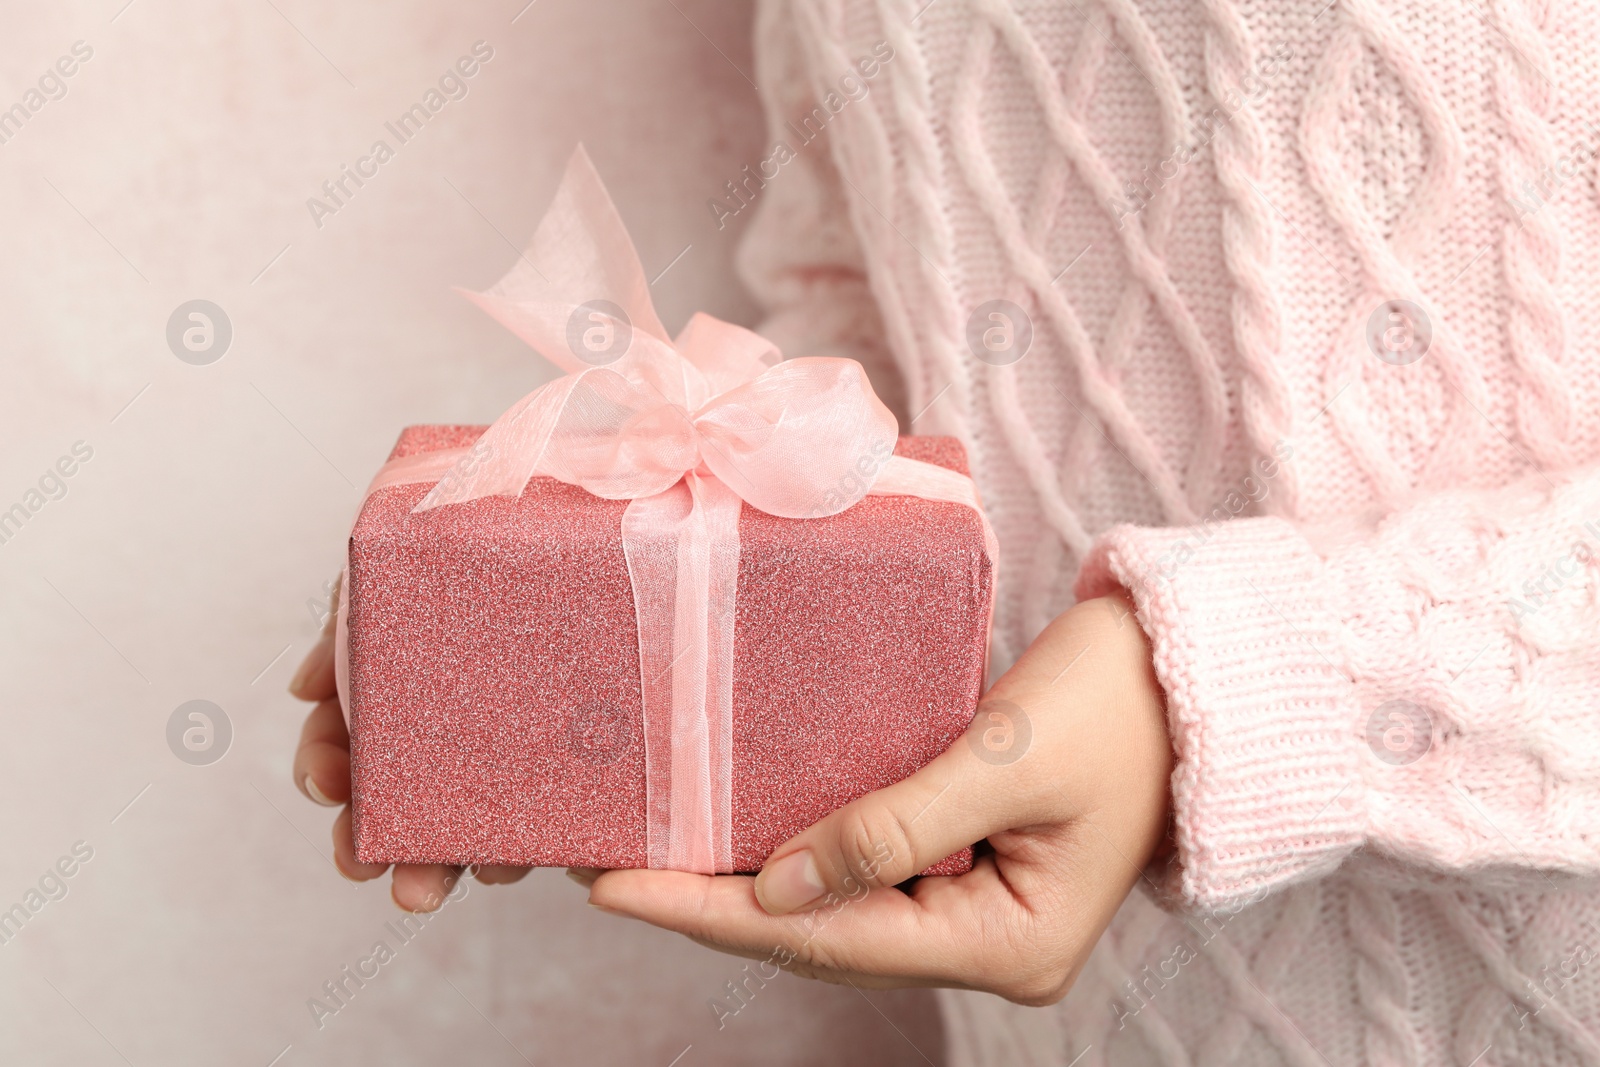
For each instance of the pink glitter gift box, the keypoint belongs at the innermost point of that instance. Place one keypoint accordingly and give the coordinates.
(494, 681)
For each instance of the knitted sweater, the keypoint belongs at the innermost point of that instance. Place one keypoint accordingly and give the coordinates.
(1286, 320)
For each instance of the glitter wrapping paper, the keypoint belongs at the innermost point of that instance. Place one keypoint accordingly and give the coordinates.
(495, 707)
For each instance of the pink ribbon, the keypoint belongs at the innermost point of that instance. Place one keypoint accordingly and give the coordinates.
(688, 429)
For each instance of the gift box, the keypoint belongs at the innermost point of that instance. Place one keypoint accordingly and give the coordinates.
(670, 609)
(494, 683)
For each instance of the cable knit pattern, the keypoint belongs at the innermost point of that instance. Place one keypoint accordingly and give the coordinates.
(1381, 979)
(1366, 550)
(1524, 93)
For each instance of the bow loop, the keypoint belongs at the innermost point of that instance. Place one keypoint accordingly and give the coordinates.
(636, 412)
(803, 440)
(726, 354)
(579, 270)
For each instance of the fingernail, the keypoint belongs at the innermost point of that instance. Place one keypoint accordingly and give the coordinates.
(309, 665)
(790, 884)
(584, 876)
(318, 795)
(608, 911)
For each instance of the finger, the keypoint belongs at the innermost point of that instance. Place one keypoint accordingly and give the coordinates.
(344, 853)
(326, 723)
(322, 762)
(886, 934)
(498, 875)
(314, 679)
(890, 835)
(584, 876)
(423, 886)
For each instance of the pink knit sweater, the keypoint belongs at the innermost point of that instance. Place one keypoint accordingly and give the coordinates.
(1363, 535)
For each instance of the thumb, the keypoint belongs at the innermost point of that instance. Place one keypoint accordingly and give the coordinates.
(890, 835)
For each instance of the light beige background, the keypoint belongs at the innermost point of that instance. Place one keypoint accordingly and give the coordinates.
(180, 563)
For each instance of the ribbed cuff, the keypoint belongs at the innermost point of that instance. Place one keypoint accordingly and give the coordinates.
(1267, 788)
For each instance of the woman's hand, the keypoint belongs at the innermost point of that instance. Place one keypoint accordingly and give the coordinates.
(1064, 770)
(322, 771)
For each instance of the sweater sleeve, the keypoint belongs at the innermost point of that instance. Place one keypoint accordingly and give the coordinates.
(800, 257)
(1424, 688)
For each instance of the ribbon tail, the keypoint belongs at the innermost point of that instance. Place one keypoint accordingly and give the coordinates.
(585, 260)
(503, 459)
(682, 548)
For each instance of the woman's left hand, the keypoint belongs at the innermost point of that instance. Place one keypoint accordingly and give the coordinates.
(1065, 770)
